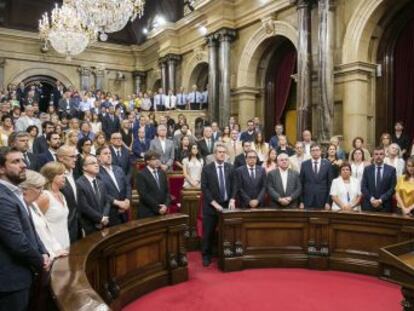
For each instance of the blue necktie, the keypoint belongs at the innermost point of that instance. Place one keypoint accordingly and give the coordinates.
(222, 184)
(378, 180)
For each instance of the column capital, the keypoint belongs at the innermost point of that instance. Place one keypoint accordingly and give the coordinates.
(162, 61)
(303, 4)
(2, 61)
(212, 39)
(327, 4)
(139, 73)
(99, 71)
(85, 70)
(172, 58)
(226, 34)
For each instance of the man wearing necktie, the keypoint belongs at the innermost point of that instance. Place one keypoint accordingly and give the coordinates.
(378, 184)
(194, 98)
(219, 190)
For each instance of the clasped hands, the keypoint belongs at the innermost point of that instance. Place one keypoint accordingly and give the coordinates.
(376, 203)
(219, 208)
(122, 205)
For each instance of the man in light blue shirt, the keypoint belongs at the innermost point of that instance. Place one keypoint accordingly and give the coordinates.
(195, 98)
(159, 100)
(181, 99)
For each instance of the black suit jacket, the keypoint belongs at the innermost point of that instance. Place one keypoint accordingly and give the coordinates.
(91, 207)
(112, 192)
(316, 187)
(40, 145)
(210, 186)
(150, 195)
(74, 225)
(123, 161)
(385, 191)
(239, 160)
(139, 147)
(202, 146)
(250, 189)
(20, 247)
(44, 158)
(110, 126)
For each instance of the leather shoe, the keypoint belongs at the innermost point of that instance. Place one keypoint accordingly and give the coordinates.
(206, 261)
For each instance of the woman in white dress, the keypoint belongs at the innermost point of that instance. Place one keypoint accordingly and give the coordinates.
(32, 188)
(394, 159)
(346, 190)
(358, 163)
(192, 167)
(52, 203)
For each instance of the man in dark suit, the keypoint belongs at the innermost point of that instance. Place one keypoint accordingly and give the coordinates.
(141, 145)
(219, 190)
(152, 186)
(215, 131)
(40, 143)
(94, 206)
(316, 176)
(149, 130)
(240, 160)
(21, 250)
(251, 182)
(67, 156)
(206, 143)
(53, 141)
(64, 104)
(20, 142)
(117, 186)
(110, 123)
(120, 154)
(378, 184)
(283, 184)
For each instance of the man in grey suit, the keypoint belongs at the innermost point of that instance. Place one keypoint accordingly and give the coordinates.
(283, 184)
(164, 147)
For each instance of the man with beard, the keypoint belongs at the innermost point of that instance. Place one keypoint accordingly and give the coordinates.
(53, 141)
(21, 251)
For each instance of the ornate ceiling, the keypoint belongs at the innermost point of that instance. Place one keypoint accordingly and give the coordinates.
(24, 15)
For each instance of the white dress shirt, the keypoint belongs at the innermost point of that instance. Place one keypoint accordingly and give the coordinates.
(284, 177)
(226, 196)
(71, 180)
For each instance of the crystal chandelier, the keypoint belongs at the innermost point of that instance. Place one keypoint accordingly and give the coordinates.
(108, 16)
(66, 31)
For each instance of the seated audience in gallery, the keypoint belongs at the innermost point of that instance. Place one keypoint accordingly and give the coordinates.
(219, 192)
(316, 176)
(404, 191)
(394, 158)
(274, 140)
(250, 133)
(53, 204)
(251, 182)
(140, 145)
(164, 147)
(358, 163)
(358, 143)
(378, 184)
(283, 184)
(346, 190)
(260, 146)
(401, 139)
(32, 188)
(297, 159)
(152, 187)
(283, 146)
(332, 157)
(117, 187)
(192, 167)
(271, 161)
(94, 206)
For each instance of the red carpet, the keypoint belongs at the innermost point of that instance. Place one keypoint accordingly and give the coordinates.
(271, 289)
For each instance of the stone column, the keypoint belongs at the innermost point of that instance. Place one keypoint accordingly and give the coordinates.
(226, 36)
(139, 78)
(164, 77)
(2, 64)
(85, 78)
(100, 78)
(213, 77)
(172, 61)
(326, 13)
(304, 76)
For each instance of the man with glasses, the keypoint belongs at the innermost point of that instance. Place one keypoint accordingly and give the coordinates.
(120, 154)
(94, 205)
(67, 156)
(251, 182)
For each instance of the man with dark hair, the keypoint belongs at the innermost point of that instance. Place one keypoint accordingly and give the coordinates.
(378, 184)
(274, 141)
(40, 143)
(240, 160)
(152, 186)
(54, 142)
(21, 251)
(219, 190)
(110, 123)
(250, 133)
(20, 142)
(120, 154)
(117, 186)
(206, 144)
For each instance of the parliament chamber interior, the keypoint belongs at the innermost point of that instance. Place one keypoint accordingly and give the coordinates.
(207, 155)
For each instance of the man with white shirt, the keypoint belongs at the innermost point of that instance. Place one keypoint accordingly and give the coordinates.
(195, 98)
(307, 141)
(27, 120)
(67, 156)
(117, 186)
(299, 156)
(170, 100)
(181, 99)
(164, 147)
(159, 100)
(54, 142)
(283, 184)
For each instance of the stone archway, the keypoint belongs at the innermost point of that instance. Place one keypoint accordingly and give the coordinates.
(199, 76)
(25, 74)
(198, 57)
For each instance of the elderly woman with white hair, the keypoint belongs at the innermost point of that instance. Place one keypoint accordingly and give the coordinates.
(32, 188)
(394, 159)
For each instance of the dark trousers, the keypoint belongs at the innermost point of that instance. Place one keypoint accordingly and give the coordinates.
(195, 106)
(16, 301)
(160, 108)
(209, 233)
(181, 107)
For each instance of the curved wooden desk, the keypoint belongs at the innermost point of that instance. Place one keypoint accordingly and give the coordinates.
(308, 239)
(113, 267)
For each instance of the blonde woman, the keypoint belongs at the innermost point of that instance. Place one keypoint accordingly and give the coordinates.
(72, 138)
(394, 159)
(32, 188)
(52, 203)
